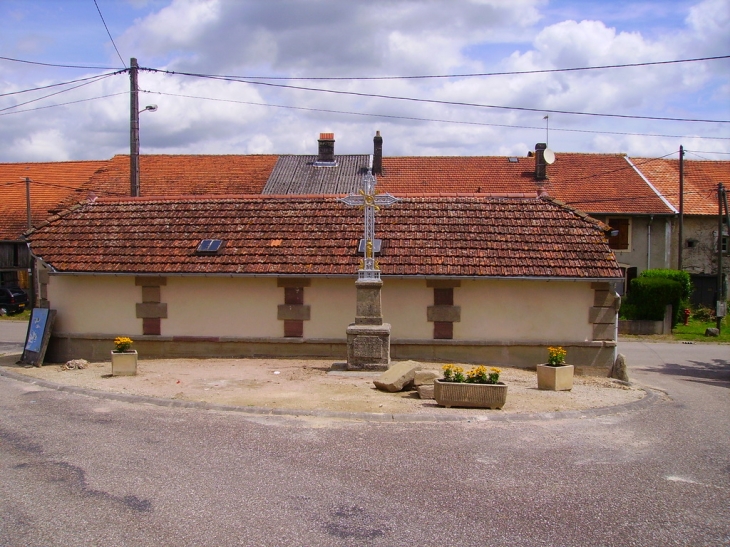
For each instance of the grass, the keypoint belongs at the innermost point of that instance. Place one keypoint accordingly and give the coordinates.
(694, 331)
(25, 316)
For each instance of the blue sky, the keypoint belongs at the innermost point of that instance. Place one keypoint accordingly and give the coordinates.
(358, 38)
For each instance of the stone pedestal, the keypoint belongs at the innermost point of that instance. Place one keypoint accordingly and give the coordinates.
(368, 338)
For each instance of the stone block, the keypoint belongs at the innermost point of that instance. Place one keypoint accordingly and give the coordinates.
(149, 309)
(293, 312)
(150, 281)
(451, 314)
(712, 332)
(425, 377)
(619, 370)
(601, 315)
(398, 376)
(443, 283)
(425, 391)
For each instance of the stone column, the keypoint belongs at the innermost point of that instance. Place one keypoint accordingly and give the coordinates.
(368, 338)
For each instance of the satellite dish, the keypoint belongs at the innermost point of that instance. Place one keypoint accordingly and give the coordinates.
(549, 156)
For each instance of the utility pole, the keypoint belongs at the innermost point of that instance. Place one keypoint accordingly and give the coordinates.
(721, 297)
(681, 208)
(31, 269)
(134, 128)
(27, 203)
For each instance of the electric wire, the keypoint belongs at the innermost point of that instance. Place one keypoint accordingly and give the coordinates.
(109, 33)
(435, 101)
(64, 104)
(416, 118)
(52, 94)
(414, 77)
(69, 82)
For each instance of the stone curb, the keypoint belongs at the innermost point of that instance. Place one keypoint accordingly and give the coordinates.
(650, 398)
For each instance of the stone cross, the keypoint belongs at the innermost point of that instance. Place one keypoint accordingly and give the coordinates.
(367, 199)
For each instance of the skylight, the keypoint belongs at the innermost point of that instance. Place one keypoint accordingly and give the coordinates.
(209, 246)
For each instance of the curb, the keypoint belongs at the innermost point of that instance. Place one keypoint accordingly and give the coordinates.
(651, 396)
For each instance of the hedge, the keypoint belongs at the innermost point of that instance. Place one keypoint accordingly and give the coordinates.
(650, 296)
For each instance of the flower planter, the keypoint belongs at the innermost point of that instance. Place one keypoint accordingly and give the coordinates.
(555, 378)
(124, 363)
(469, 395)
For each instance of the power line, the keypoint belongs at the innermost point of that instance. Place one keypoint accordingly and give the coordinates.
(415, 77)
(53, 65)
(415, 118)
(54, 94)
(484, 74)
(60, 84)
(109, 33)
(431, 101)
(63, 104)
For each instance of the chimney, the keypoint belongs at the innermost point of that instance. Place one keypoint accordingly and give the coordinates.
(540, 165)
(377, 154)
(326, 153)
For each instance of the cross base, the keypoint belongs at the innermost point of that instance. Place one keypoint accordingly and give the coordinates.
(368, 347)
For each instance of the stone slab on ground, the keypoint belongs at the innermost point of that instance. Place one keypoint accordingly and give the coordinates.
(425, 391)
(398, 376)
(425, 377)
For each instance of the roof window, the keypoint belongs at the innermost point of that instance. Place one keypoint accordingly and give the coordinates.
(513, 159)
(209, 246)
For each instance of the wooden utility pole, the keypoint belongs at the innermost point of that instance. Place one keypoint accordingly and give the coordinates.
(134, 128)
(721, 297)
(680, 247)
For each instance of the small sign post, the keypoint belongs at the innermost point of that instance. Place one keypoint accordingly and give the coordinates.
(37, 337)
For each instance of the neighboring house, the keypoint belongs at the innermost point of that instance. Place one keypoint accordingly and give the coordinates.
(49, 184)
(700, 217)
(471, 278)
(606, 186)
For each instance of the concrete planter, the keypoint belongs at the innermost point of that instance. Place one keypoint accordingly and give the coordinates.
(555, 378)
(460, 394)
(124, 364)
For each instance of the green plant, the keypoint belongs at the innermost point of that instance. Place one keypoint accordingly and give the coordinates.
(122, 344)
(556, 356)
(477, 375)
(703, 313)
(650, 296)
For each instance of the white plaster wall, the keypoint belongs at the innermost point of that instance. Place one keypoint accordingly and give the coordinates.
(524, 311)
(404, 307)
(222, 306)
(493, 311)
(95, 304)
(332, 307)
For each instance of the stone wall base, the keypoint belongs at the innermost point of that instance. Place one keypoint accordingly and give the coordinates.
(589, 358)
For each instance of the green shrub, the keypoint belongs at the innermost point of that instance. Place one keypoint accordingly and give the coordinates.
(679, 276)
(650, 296)
(704, 314)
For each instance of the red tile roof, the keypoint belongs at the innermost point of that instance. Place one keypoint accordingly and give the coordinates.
(700, 182)
(597, 183)
(310, 236)
(52, 183)
(185, 175)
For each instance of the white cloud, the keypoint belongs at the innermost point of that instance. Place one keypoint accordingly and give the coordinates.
(386, 37)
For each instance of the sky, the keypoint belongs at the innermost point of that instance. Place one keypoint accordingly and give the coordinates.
(267, 77)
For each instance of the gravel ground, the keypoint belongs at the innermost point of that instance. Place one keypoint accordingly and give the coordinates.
(316, 385)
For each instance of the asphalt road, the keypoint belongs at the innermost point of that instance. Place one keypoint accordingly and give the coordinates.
(78, 470)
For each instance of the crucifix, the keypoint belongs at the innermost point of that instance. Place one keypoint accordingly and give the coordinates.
(368, 338)
(367, 199)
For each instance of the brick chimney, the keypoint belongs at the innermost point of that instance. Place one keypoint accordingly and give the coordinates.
(540, 165)
(326, 153)
(377, 154)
